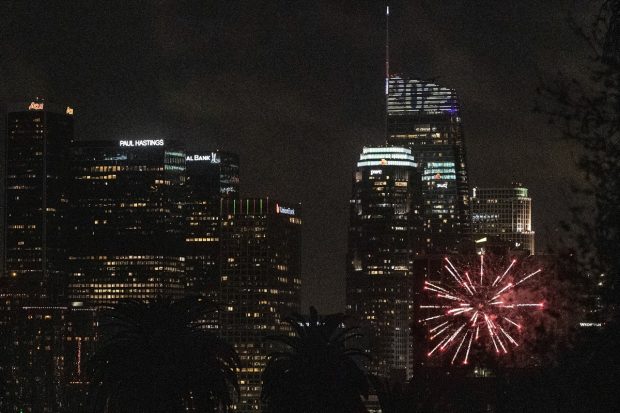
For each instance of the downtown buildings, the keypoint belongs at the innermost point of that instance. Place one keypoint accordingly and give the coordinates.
(411, 207)
(410, 199)
(89, 223)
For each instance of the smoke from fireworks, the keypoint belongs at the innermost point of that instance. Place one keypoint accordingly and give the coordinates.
(475, 307)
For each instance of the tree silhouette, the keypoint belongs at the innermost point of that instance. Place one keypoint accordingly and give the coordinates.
(156, 358)
(315, 372)
(587, 112)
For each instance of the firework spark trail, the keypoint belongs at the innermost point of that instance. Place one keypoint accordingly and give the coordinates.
(471, 336)
(501, 277)
(488, 302)
(456, 353)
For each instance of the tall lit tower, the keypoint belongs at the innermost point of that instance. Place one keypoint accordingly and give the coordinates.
(38, 138)
(385, 235)
(32, 287)
(425, 117)
(260, 282)
(211, 177)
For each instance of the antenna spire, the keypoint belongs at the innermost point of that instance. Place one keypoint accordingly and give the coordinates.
(387, 47)
(387, 65)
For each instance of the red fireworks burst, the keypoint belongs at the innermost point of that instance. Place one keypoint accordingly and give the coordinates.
(477, 306)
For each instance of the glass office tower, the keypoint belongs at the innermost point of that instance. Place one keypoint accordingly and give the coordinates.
(211, 176)
(385, 234)
(33, 284)
(260, 282)
(38, 137)
(127, 224)
(426, 118)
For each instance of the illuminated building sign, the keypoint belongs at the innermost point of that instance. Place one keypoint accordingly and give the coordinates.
(35, 106)
(444, 185)
(212, 157)
(376, 172)
(412, 95)
(69, 110)
(142, 142)
(285, 211)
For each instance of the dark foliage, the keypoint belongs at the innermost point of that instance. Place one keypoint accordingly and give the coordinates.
(155, 357)
(394, 396)
(315, 372)
(587, 112)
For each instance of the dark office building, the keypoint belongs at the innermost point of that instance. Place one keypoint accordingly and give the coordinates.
(386, 233)
(211, 176)
(126, 218)
(260, 282)
(426, 118)
(36, 324)
(38, 137)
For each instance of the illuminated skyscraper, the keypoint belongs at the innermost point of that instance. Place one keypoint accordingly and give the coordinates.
(426, 118)
(38, 137)
(127, 225)
(385, 235)
(32, 287)
(504, 213)
(260, 282)
(211, 177)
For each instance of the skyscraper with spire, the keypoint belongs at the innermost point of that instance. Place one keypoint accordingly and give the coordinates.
(425, 117)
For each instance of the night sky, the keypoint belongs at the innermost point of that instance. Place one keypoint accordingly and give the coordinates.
(296, 88)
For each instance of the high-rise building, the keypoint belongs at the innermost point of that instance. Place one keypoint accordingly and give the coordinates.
(211, 176)
(386, 233)
(503, 213)
(33, 284)
(38, 137)
(426, 118)
(127, 224)
(260, 282)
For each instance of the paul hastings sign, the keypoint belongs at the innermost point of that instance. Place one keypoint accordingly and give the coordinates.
(142, 142)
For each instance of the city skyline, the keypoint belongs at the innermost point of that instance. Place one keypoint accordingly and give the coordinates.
(318, 114)
(350, 207)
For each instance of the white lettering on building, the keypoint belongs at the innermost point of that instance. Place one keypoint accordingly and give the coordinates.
(284, 210)
(376, 172)
(444, 185)
(142, 142)
(69, 110)
(35, 106)
(212, 157)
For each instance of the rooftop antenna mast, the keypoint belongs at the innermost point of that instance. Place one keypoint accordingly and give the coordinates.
(387, 64)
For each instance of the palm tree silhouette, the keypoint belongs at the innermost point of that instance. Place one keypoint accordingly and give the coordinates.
(155, 357)
(315, 372)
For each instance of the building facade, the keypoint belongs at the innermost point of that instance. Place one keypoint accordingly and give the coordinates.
(211, 177)
(386, 233)
(426, 118)
(260, 282)
(37, 141)
(126, 219)
(503, 213)
(36, 324)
